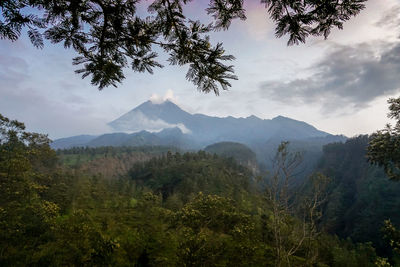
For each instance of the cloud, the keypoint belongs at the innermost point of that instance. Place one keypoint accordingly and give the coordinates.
(40, 112)
(169, 95)
(156, 99)
(390, 19)
(137, 121)
(28, 99)
(13, 71)
(347, 77)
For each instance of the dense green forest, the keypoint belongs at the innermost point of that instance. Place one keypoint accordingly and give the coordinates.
(361, 196)
(155, 206)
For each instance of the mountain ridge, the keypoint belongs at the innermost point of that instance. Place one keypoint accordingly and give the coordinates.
(166, 124)
(172, 114)
(206, 129)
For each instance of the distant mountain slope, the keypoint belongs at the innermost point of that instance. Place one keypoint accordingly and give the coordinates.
(310, 148)
(152, 117)
(166, 124)
(167, 137)
(74, 141)
(207, 129)
(123, 139)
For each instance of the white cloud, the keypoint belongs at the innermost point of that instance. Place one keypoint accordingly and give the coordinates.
(169, 95)
(156, 99)
(137, 121)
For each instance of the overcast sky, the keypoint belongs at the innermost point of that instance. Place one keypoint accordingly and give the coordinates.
(339, 85)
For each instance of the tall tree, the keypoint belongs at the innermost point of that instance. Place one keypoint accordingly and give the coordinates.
(110, 35)
(384, 145)
(24, 215)
(294, 220)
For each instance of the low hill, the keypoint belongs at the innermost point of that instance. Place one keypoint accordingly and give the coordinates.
(187, 174)
(241, 153)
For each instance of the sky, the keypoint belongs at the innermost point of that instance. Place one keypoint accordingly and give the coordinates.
(339, 85)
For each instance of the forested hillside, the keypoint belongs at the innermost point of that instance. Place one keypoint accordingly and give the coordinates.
(167, 209)
(361, 196)
(241, 153)
(110, 162)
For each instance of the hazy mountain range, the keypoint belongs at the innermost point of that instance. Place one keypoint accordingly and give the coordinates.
(206, 129)
(169, 125)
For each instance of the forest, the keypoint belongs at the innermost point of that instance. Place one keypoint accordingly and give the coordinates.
(158, 206)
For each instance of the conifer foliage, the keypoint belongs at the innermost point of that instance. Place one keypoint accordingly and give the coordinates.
(109, 35)
(384, 145)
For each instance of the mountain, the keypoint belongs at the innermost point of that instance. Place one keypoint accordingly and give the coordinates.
(123, 139)
(152, 117)
(166, 124)
(74, 141)
(207, 129)
(170, 137)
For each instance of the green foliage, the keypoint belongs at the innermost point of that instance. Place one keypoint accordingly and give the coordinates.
(76, 241)
(214, 232)
(191, 209)
(241, 153)
(382, 262)
(293, 218)
(384, 145)
(78, 156)
(24, 214)
(392, 237)
(110, 35)
(301, 19)
(190, 173)
(360, 197)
